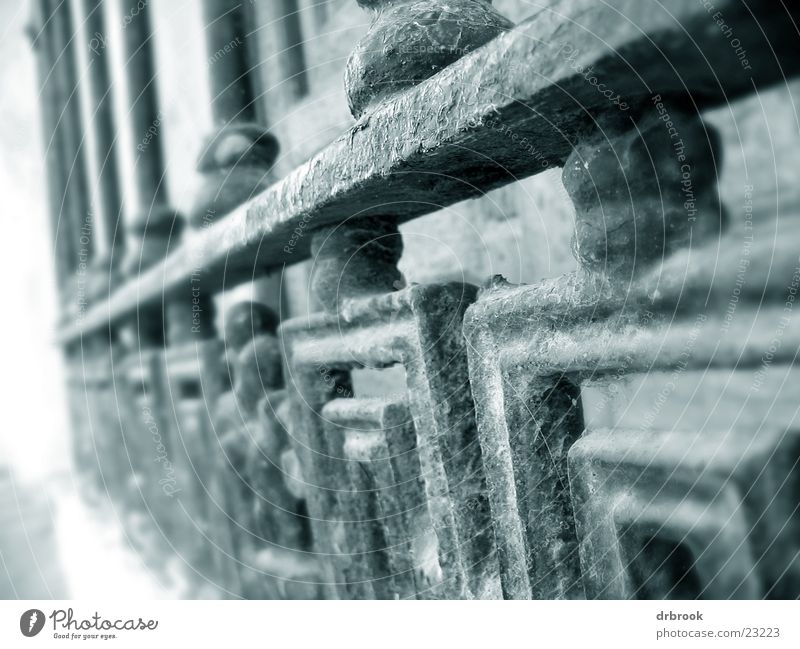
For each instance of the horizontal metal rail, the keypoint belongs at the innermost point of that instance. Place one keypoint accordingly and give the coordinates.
(503, 112)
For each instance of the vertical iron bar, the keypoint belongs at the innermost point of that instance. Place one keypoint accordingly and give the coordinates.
(43, 42)
(99, 125)
(232, 97)
(150, 222)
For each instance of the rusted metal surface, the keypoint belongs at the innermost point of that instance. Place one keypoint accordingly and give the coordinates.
(665, 515)
(387, 521)
(527, 423)
(488, 102)
(477, 477)
(643, 191)
(410, 41)
(418, 327)
(527, 400)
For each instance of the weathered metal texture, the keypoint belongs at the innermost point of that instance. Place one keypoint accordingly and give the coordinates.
(646, 344)
(355, 260)
(516, 91)
(643, 191)
(632, 306)
(387, 526)
(643, 324)
(687, 515)
(418, 327)
(527, 423)
(626, 183)
(580, 328)
(151, 225)
(411, 40)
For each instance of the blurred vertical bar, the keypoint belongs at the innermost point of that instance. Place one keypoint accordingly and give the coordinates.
(149, 221)
(77, 211)
(320, 10)
(237, 157)
(287, 34)
(98, 124)
(76, 239)
(51, 31)
(93, 379)
(313, 16)
(232, 97)
(283, 80)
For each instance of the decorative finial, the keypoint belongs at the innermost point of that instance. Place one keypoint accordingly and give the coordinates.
(254, 352)
(643, 192)
(411, 40)
(236, 158)
(234, 166)
(355, 259)
(246, 320)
